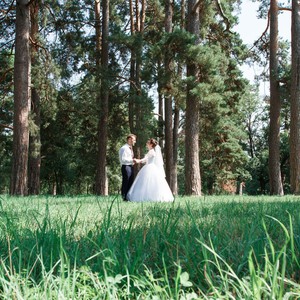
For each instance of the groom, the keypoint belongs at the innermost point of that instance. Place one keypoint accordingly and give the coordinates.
(126, 157)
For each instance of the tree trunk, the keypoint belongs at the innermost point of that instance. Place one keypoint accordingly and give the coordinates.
(19, 184)
(34, 163)
(98, 33)
(101, 180)
(192, 167)
(138, 110)
(295, 101)
(137, 21)
(132, 72)
(274, 134)
(175, 149)
(250, 137)
(160, 106)
(177, 112)
(170, 174)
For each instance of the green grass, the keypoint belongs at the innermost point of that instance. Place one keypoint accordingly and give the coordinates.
(216, 247)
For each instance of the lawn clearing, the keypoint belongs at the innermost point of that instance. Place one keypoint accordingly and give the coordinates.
(88, 247)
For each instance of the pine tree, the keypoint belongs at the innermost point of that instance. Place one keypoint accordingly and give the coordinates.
(274, 136)
(19, 176)
(192, 165)
(295, 101)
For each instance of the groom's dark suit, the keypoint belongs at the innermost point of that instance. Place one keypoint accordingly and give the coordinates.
(126, 159)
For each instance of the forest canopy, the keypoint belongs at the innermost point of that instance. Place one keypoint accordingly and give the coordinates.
(78, 76)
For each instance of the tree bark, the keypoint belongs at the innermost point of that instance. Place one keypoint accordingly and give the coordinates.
(34, 163)
(295, 101)
(137, 21)
(160, 105)
(177, 112)
(192, 166)
(170, 174)
(175, 149)
(101, 180)
(22, 64)
(132, 71)
(275, 106)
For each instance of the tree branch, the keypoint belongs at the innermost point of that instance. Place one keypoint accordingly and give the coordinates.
(268, 24)
(263, 34)
(228, 25)
(4, 74)
(8, 10)
(285, 8)
(127, 80)
(6, 126)
(35, 44)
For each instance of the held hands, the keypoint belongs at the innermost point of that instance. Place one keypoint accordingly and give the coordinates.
(136, 161)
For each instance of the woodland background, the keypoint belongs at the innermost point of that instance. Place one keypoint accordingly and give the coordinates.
(77, 76)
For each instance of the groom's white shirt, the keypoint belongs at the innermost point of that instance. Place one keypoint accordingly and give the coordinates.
(125, 155)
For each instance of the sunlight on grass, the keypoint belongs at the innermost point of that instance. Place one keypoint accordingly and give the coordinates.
(195, 248)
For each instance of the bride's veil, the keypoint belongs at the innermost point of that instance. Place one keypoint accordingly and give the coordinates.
(158, 160)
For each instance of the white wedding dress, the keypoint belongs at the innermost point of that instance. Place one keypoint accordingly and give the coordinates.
(150, 183)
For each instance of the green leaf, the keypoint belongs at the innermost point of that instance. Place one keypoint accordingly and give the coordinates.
(184, 280)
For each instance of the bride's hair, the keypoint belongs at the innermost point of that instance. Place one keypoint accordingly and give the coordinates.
(153, 142)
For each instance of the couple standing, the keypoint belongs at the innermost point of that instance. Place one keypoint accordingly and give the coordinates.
(150, 183)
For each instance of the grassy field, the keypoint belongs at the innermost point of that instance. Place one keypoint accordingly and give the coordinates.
(88, 247)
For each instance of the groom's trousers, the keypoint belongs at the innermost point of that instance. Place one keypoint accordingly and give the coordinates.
(127, 179)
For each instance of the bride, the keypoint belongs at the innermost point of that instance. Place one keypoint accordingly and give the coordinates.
(150, 183)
